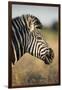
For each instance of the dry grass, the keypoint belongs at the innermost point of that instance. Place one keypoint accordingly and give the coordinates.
(30, 70)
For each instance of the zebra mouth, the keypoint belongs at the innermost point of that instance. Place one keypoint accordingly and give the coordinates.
(48, 60)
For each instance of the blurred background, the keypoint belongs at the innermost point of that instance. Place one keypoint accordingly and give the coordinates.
(46, 14)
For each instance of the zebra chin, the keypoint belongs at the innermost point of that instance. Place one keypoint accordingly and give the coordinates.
(49, 57)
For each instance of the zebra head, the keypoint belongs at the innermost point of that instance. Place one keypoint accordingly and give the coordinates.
(42, 49)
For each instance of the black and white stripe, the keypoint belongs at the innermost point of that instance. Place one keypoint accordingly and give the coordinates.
(26, 38)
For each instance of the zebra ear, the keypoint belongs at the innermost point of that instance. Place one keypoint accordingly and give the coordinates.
(30, 24)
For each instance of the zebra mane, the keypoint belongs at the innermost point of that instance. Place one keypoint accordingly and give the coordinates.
(31, 21)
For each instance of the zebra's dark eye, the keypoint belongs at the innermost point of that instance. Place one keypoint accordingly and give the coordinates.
(39, 38)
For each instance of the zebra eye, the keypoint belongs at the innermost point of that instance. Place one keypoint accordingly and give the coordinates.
(39, 38)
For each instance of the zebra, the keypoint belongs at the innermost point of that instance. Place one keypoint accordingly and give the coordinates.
(27, 38)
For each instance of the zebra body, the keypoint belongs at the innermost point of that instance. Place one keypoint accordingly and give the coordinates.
(27, 38)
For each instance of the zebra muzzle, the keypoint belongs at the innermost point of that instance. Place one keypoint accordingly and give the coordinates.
(49, 57)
